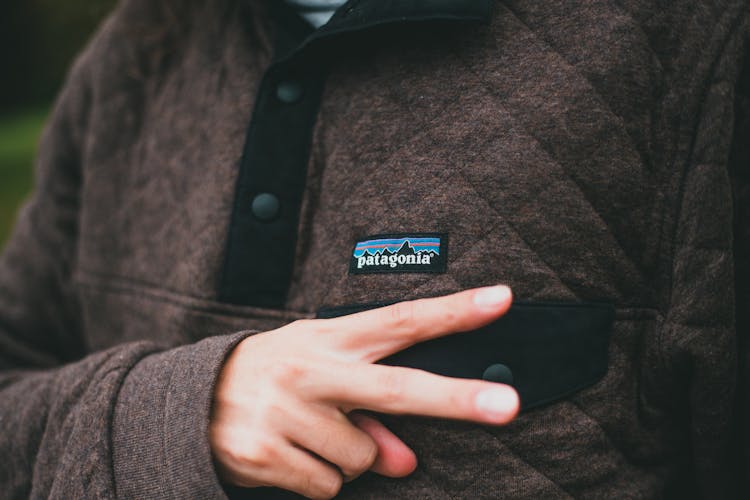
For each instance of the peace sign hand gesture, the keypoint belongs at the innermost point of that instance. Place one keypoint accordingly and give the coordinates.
(283, 404)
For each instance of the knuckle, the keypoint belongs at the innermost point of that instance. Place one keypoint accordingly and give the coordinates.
(273, 411)
(460, 400)
(328, 486)
(226, 449)
(391, 387)
(302, 325)
(308, 327)
(259, 453)
(450, 315)
(364, 459)
(286, 371)
(400, 315)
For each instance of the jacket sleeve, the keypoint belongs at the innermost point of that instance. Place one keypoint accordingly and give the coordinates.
(704, 339)
(128, 422)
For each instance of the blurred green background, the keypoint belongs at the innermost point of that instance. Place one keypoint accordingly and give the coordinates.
(38, 41)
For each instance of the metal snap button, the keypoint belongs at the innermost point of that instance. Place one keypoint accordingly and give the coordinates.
(289, 92)
(498, 373)
(266, 207)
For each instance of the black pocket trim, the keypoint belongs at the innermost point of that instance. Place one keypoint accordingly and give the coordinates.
(552, 349)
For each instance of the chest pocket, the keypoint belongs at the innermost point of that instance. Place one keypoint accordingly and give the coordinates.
(547, 351)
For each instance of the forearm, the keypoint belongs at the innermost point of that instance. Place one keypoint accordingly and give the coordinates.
(130, 421)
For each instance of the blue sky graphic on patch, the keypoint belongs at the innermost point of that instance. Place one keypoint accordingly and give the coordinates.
(393, 245)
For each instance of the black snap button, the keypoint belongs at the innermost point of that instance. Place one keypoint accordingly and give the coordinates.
(498, 373)
(289, 92)
(266, 207)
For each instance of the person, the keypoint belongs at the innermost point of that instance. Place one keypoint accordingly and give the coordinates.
(264, 251)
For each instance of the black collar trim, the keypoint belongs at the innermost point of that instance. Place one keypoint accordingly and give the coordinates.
(362, 15)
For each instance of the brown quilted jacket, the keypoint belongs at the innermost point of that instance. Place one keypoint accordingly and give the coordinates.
(580, 152)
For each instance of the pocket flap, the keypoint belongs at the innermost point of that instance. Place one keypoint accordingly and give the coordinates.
(547, 351)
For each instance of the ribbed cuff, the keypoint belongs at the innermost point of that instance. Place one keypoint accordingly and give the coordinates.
(160, 425)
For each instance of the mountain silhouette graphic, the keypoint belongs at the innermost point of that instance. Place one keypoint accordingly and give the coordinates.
(406, 249)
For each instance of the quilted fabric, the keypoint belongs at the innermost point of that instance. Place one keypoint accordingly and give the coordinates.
(572, 150)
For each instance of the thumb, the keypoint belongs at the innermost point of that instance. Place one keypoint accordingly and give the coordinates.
(395, 459)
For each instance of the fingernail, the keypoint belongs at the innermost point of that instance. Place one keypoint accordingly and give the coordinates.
(491, 296)
(498, 401)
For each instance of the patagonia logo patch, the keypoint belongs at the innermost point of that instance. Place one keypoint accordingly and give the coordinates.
(400, 253)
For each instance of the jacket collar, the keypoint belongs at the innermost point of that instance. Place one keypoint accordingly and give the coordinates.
(358, 15)
(363, 15)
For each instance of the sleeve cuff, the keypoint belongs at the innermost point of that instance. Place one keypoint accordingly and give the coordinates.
(160, 423)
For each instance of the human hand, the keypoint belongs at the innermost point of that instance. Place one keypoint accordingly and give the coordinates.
(283, 404)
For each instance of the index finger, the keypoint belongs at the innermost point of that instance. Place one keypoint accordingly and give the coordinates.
(408, 391)
(376, 334)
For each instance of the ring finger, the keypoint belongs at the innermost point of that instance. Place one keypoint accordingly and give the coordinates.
(330, 434)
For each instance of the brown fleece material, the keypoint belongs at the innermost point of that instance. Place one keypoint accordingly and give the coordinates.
(574, 150)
